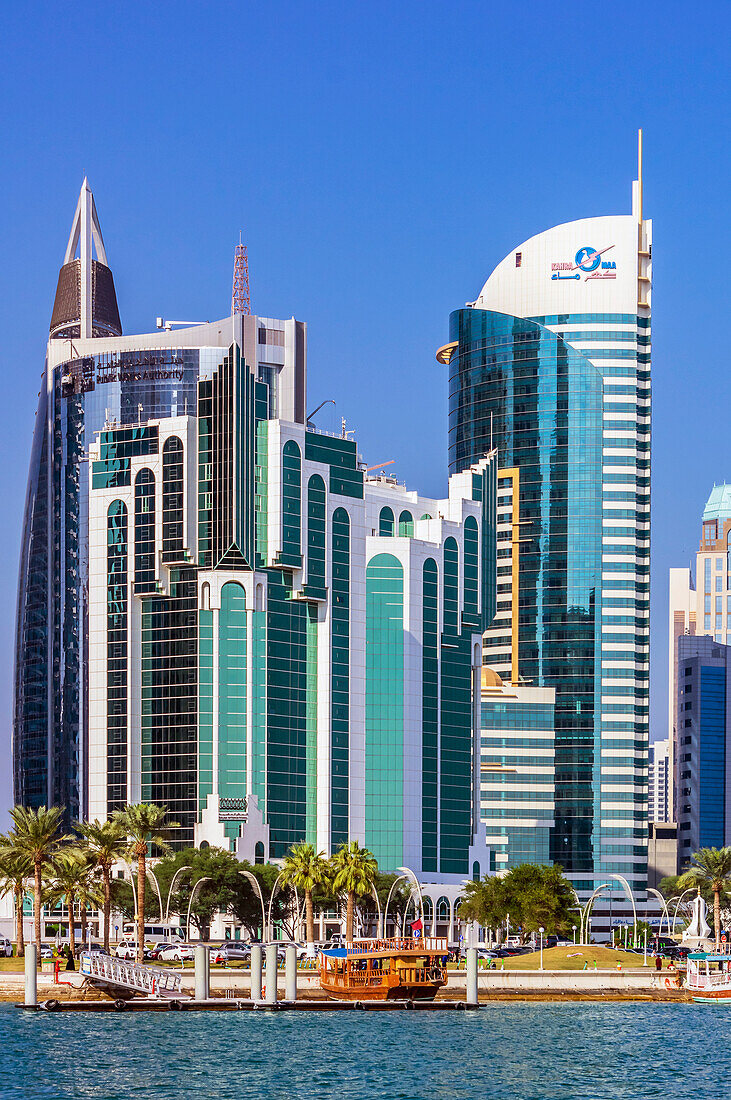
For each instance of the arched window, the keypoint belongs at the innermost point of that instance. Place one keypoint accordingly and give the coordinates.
(426, 516)
(385, 522)
(145, 531)
(340, 679)
(117, 644)
(384, 709)
(316, 535)
(443, 909)
(205, 596)
(471, 569)
(406, 524)
(259, 852)
(428, 908)
(291, 504)
(259, 598)
(172, 499)
(476, 871)
(451, 586)
(429, 714)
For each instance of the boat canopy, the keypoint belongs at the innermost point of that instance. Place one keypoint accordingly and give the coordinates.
(335, 953)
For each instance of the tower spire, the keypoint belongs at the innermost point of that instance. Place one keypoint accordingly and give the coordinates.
(86, 302)
(639, 176)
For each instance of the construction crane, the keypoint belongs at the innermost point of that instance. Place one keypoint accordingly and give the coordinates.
(240, 295)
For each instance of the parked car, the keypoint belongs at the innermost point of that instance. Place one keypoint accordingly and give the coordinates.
(126, 949)
(6, 948)
(302, 949)
(486, 953)
(234, 951)
(46, 951)
(176, 952)
(92, 949)
(153, 951)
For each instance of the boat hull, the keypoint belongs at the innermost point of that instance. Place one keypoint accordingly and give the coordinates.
(383, 993)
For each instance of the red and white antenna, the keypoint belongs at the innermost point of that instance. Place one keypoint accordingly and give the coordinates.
(240, 295)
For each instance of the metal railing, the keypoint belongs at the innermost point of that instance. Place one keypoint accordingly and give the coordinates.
(428, 944)
(149, 980)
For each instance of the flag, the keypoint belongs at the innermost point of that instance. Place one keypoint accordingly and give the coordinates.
(416, 927)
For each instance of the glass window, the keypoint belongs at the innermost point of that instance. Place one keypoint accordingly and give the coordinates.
(707, 575)
(719, 563)
(719, 584)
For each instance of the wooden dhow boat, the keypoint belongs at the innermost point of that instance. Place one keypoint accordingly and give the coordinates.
(708, 977)
(401, 969)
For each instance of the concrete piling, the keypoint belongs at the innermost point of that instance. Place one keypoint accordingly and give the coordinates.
(270, 994)
(31, 976)
(256, 972)
(202, 973)
(472, 976)
(290, 974)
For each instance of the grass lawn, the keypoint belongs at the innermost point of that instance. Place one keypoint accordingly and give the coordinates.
(573, 958)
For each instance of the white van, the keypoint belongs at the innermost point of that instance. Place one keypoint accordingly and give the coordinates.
(154, 933)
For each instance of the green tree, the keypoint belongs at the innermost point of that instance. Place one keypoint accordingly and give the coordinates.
(484, 901)
(305, 869)
(15, 870)
(36, 834)
(534, 895)
(146, 826)
(353, 871)
(70, 872)
(190, 865)
(710, 868)
(105, 842)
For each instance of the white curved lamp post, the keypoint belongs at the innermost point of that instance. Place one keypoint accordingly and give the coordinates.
(174, 879)
(388, 902)
(196, 887)
(254, 882)
(664, 904)
(692, 890)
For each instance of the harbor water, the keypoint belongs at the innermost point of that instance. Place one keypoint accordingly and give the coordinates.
(521, 1051)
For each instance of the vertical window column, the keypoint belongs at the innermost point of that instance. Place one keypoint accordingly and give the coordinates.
(117, 647)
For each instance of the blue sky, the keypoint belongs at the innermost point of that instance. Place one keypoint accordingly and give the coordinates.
(381, 159)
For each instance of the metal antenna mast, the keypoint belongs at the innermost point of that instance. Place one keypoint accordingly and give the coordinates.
(240, 295)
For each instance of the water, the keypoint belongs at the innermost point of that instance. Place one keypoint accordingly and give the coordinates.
(578, 1051)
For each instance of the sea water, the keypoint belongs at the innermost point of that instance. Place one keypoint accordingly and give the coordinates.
(520, 1051)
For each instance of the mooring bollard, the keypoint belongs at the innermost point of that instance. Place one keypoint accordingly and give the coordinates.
(270, 993)
(202, 973)
(31, 976)
(290, 974)
(471, 975)
(256, 972)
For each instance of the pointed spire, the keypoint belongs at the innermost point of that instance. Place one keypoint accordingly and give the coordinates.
(86, 303)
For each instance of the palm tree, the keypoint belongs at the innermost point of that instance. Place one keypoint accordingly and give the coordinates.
(710, 867)
(70, 869)
(304, 868)
(37, 835)
(15, 870)
(354, 869)
(105, 842)
(145, 825)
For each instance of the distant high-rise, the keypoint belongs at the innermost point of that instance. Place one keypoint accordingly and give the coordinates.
(701, 608)
(660, 782)
(550, 365)
(222, 611)
(703, 751)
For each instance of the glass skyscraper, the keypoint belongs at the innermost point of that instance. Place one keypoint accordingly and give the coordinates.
(551, 366)
(221, 610)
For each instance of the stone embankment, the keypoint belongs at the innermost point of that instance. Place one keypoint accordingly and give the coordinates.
(499, 985)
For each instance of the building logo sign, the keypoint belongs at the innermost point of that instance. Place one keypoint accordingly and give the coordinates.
(587, 261)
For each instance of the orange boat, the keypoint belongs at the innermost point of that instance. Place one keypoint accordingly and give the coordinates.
(385, 970)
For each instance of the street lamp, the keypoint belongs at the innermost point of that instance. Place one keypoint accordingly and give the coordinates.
(541, 930)
(197, 886)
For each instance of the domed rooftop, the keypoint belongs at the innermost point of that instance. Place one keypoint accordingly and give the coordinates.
(719, 503)
(490, 678)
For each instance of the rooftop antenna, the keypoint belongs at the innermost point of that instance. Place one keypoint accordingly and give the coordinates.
(240, 294)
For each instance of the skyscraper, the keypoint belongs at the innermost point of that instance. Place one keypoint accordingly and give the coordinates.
(659, 782)
(550, 365)
(243, 623)
(699, 608)
(703, 751)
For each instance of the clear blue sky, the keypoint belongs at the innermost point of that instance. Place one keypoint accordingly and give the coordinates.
(381, 159)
